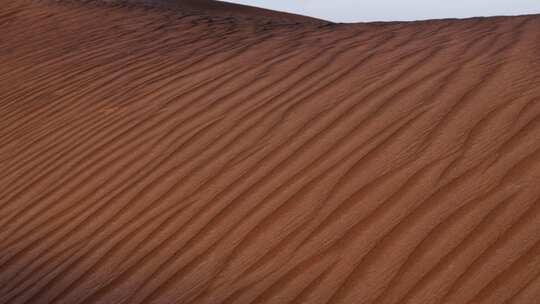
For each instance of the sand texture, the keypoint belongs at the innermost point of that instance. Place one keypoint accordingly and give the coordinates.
(218, 154)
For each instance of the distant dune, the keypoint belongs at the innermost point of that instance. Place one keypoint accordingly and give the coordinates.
(209, 153)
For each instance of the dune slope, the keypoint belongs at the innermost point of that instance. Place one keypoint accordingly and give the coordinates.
(150, 155)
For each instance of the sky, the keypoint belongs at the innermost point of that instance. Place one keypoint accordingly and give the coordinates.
(397, 10)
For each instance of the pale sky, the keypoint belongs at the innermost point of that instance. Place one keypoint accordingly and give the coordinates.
(397, 10)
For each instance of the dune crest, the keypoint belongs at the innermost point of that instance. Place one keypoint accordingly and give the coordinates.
(151, 155)
(220, 8)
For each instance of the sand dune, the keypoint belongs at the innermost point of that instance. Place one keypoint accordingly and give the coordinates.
(150, 154)
(221, 9)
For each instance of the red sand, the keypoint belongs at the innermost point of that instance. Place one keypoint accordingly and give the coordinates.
(152, 155)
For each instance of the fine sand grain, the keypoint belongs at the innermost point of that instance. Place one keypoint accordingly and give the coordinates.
(209, 153)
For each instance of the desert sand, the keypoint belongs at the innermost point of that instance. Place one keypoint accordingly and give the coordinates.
(202, 152)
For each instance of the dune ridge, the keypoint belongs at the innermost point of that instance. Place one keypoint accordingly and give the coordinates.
(221, 8)
(150, 155)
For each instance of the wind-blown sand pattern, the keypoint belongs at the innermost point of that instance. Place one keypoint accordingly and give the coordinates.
(157, 154)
